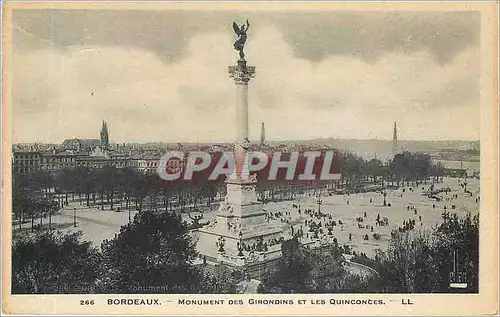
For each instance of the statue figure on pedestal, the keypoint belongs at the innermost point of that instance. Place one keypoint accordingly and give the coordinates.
(239, 44)
(226, 206)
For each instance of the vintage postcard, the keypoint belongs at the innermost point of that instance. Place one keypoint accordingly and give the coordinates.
(237, 158)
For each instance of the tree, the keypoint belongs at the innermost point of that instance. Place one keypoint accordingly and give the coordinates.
(352, 169)
(220, 279)
(52, 207)
(41, 180)
(374, 168)
(409, 265)
(139, 189)
(85, 183)
(52, 262)
(31, 196)
(127, 177)
(21, 194)
(291, 273)
(109, 176)
(302, 270)
(154, 253)
(82, 183)
(328, 273)
(421, 262)
(461, 236)
(66, 181)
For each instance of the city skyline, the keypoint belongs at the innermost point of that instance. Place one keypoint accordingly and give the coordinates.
(348, 77)
(93, 135)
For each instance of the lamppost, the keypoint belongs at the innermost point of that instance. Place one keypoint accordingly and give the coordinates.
(74, 217)
(385, 195)
(240, 245)
(220, 243)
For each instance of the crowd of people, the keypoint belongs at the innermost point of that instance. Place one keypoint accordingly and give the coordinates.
(312, 223)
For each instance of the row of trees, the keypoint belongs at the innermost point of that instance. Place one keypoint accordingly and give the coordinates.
(29, 202)
(404, 168)
(35, 194)
(41, 192)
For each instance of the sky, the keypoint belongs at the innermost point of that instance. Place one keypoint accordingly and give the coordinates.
(162, 75)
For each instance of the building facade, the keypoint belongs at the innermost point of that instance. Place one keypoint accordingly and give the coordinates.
(25, 161)
(56, 161)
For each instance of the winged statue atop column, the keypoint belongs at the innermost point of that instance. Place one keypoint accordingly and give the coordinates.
(241, 31)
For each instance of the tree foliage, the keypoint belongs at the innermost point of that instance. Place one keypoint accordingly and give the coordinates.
(220, 279)
(153, 252)
(292, 272)
(51, 262)
(302, 270)
(421, 262)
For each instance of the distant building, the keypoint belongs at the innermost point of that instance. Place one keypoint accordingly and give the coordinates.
(118, 161)
(80, 145)
(53, 161)
(87, 145)
(145, 164)
(25, 161)
(73, 153)
(101, 152)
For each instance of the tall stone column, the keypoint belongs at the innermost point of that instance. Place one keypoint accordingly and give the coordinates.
(241, 114)
(241, 75)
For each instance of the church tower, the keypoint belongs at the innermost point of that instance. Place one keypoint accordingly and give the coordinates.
(104, 135)
(395, 140)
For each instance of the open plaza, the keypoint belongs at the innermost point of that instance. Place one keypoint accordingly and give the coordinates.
(354, 215)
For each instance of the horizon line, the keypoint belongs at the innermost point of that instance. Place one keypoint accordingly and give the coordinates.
(255, 141)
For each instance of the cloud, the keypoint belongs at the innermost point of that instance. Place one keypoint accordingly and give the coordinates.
(67, 93)
(370, 35)
(313, 35)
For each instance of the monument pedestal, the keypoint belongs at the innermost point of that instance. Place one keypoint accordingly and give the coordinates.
(240, 219)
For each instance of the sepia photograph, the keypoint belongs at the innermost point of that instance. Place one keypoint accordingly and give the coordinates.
(239, 156)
